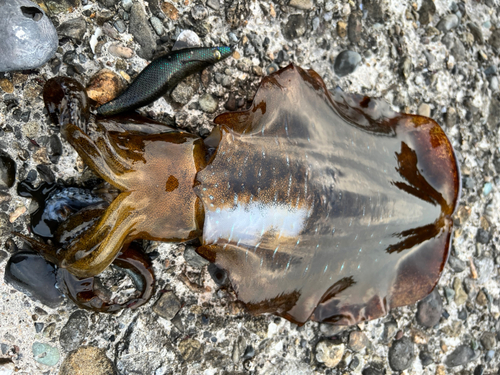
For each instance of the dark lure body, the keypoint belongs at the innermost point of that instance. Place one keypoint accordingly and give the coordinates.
(162, 75)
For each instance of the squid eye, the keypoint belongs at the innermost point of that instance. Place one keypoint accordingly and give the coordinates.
(217, 55)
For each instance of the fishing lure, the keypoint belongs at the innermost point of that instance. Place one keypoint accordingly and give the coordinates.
(162, 75)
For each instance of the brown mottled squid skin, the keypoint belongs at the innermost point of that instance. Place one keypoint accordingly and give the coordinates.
(320, 206)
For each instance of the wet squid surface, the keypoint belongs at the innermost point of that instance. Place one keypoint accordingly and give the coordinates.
(319, 205)
(325, 206)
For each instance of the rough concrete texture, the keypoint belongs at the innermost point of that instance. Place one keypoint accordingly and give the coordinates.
(451, 69)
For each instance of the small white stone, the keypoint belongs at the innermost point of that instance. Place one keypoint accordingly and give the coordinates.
(329, 353)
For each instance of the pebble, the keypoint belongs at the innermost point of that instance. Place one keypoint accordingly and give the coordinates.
(199, 12)
(127, 4)
(74, 28)
(29, 38)
(170, 10)
(342, 29)
(354, 27)
(45, 354)
(295, 27)
(488, 340)
(426, 12)
(187, 39)
(190, 350)
(486, 268)
(142, 34)
(424, 109)
(74, 331)
(157, 25)
(460, 295)
(7, 171)
(301, 4)
(482, 298)
(483, 236)
(425, 358)
(167, 306)
(193, 258)
(6, 85)
(429, 310)
(460, 356)
(120, 50)
(476, 31)
(358, 341)
(272, 68)
(401, 354)
(32, 275)
(239, 347)
(346, 62)
(448, 22)
(214, 4)
(120, 26)
(456, 264)
(494, 85)
(208, 103)
(87, 360)
(329, 353)
(104, 86)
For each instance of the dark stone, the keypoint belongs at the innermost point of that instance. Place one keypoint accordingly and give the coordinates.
(483, 236)
(54, 148)
(426, 12)
(457, 265)
(7, 171)
(374, 369)
(346, 62)
(425, 358)
(460, 356)
(142, 33)
(74, 331)
(74, 28)
(295, 27)
(479, 370)
(430, 309)
(462, 314)
(46, 173)
(231, 105)
(31, 274)
(401, 354)
(354, 27)
(167, 306)
(218, 275)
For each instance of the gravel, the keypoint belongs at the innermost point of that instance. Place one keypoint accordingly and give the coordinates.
(429, 57)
